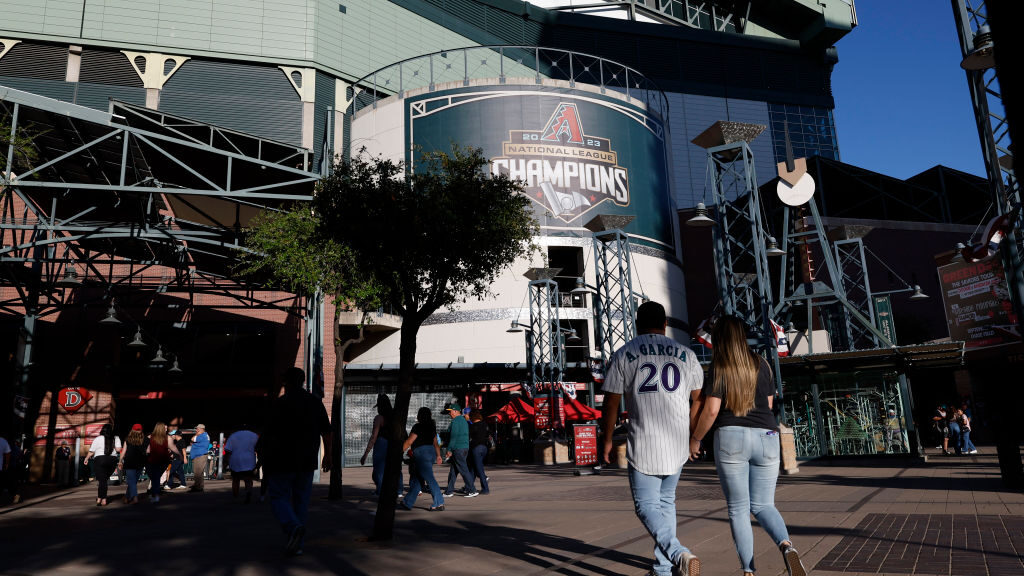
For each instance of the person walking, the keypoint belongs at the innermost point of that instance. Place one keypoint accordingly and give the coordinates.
(966, 446)
(954, 430)
(102, 451)
(940, 424)
(199, 454)
(240, 448)
(133, 460)
(736, 402)
(378, 442)
(425, 451)
(658, 377)
(177, 462)
(5, 464)
(479, 434)
(291, 441)
(458, 453)
(63, 459)
(158, 456)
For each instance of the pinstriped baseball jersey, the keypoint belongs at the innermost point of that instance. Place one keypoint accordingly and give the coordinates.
(656, 375)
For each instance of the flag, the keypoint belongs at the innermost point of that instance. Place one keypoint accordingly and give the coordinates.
(996, 229)
(703, 334)
(597, 370)
(781, 341)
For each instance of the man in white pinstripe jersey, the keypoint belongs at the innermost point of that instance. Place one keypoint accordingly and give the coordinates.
(658, 377)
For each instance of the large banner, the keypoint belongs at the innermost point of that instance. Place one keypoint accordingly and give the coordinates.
(577, 153)
(978, 308)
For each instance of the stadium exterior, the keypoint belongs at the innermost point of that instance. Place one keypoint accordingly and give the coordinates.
(312, 79)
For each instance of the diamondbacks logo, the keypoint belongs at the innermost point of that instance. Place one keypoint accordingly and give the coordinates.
(564, 169)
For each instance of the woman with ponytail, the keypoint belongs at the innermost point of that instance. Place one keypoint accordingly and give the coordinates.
(736, 403)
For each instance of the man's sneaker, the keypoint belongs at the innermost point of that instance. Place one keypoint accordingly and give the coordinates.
(688, 565)
(793, 564)
(473, 494)
(295, 540)
(449, 494)
(973, 452)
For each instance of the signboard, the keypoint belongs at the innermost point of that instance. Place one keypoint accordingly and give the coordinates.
(585, 444)
(883, 317)
(72, 399)
(68, 434)
(978, 309)
(542, 412)
(576, 153)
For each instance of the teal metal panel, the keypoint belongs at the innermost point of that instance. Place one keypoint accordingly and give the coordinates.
(258, 100)
(30, 60)
(324, 99)
(21, 16)
(98, 96)
(57, 89)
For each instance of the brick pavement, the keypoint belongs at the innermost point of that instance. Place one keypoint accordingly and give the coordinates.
(948, 516)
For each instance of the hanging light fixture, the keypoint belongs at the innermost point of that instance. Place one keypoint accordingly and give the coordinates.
(111, 319)
(700, 218)
(581, 287)
(918, 295)
(573, 337)
(70, 279)
(958, 253)
(772, 247)
(982, 57)
(514, 328)
(159, 358)
(137, 342)
(174, 369)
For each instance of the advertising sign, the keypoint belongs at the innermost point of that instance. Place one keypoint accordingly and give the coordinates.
(68, 434)
(576, 153)
(977, 301)
(883, 317)
(542, 412)
(585, 444)
(72, 399)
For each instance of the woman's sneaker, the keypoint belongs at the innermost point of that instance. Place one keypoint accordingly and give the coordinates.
(793, 564)
(688, 565)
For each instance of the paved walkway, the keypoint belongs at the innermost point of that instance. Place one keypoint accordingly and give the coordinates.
(949, 516)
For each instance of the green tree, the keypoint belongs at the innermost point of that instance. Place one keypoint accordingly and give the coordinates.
(429, 238)
(289, 250)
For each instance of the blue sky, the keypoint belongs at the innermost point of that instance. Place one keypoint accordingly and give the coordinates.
(902, 104)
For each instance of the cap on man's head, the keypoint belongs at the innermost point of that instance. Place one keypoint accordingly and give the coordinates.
(453, 406)
(137, 427)
(200, 427)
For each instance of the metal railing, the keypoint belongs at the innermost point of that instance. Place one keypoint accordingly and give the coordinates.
(463, 65)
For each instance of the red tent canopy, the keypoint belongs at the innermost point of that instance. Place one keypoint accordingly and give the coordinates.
(576, 410)
(517, 410)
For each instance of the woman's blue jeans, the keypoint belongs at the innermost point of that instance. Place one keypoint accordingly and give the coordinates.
(424, 457)
(954, 436)
(131, 480)
(748, 469)
(476, 469)
(965, 441)
(380, 457)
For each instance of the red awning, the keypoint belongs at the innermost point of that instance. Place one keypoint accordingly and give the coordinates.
(576, 410)
(517, 410)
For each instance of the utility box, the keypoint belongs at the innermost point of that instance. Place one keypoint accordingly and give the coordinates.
(788, 449)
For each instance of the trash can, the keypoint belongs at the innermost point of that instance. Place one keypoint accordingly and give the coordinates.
(788, 448)
(542, 453)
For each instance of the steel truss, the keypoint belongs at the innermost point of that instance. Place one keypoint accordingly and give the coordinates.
(615, 303)
(997, 149)
(546, 362)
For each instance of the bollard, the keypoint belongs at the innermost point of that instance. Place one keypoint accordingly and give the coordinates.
(788, 449)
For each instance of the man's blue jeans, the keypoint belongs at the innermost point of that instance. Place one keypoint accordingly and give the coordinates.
(458, 461)
(289, 498)
(748, 469)
(177, 470)
(654, 499)
(424, 457)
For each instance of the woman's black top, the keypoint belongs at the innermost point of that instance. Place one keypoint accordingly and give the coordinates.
(760, 416)
(385, 428)
(478, 433)
(134, 456)
(425, 433)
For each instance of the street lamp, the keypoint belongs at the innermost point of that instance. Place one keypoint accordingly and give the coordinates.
(516, 327)
(700, 218)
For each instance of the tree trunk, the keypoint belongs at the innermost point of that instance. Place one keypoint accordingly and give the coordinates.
(337, 457)
(384, 522)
